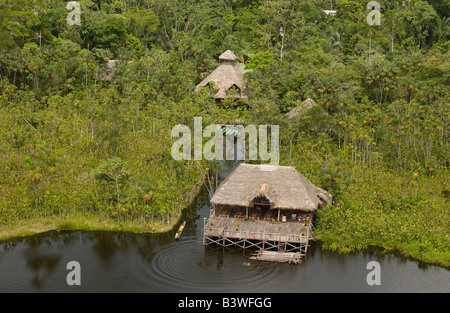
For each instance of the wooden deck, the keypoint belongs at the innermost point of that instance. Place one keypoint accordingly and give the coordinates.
(239, 228)
(263, 234)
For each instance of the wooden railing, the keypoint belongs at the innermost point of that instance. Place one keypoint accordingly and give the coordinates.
(302, 237)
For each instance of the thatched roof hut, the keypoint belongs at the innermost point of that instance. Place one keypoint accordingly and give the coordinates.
(228, 56)
(305, 106)
(226, 76)
(284, 188)
(108, 71)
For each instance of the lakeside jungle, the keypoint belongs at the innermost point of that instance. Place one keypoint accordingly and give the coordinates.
(83, 149)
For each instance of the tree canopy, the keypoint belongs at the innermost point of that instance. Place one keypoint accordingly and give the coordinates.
(87, 110)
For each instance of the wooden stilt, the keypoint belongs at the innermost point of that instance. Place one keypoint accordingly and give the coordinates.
(290, 239)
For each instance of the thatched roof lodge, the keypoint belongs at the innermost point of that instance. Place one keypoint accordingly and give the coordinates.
(248, 205)
(226, 76)
(283, 188)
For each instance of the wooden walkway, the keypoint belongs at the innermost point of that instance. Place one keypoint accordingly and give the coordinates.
(281, 257)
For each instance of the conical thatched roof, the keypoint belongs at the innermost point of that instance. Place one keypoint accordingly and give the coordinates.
(306, 105)
(226, 76)
(228, 55)
(284, 187)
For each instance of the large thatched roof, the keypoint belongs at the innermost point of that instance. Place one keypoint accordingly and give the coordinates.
(284, 187)
(226, 76)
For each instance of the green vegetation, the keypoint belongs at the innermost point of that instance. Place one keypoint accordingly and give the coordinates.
(86, 147)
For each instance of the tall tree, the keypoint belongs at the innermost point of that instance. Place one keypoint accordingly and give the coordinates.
(334, 39)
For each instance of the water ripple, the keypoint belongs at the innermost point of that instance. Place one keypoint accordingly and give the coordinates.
(188, 266)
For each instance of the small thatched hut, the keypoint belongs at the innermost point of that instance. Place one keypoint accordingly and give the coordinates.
(305, 106)
(108, 72)
(225, 78)
(283, 188)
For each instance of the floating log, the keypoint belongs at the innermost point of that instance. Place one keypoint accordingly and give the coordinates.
(180, 231)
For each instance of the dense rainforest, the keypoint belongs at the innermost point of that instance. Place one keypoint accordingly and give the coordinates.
(86, 145)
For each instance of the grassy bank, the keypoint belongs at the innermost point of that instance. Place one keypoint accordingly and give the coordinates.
(382, 211)
(81, 222)
(413, 250)
(85, 221)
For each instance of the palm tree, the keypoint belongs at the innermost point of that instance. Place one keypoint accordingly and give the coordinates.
(442, 28)
(231, 3)
(334, 40)
(391, 23)
(369, 33)
(320, 4)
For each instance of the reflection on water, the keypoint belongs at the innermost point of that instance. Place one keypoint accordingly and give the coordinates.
(107, 246)
(123, 262)
(42, 265)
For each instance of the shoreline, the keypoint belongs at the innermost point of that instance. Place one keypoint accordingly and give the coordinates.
(91, 224)
(343, 246)
(80, 223)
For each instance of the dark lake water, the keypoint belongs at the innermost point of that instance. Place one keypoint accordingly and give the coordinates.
(123, 262)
